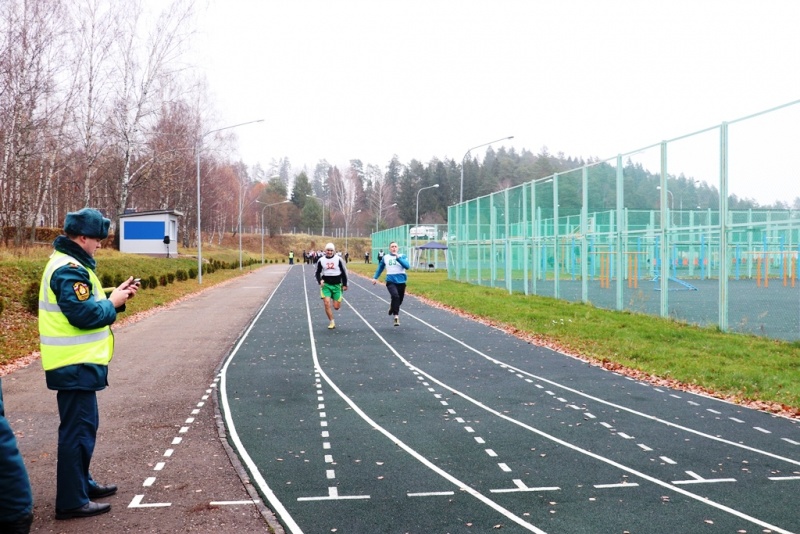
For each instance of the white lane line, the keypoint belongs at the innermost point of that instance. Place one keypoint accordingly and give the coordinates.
(176, 441)
(183, 430)
(784, 478)
(623, 435)
(697, 479)
(595, 399)
(149, 482)
(713, 411)
(137, 503)
(644, 447)
(504, 467)
(735, 420)
(521, 487)
(168, 452)
(256, 475)
(620, 485)
(431, 494)
(569, 445)
(762, 430)
(469, 429)
(793, 442)
(668, 460)
(330, 473)
(491, 453)
(480, 440)
(333, 495)
(463, 487)
(231, 503)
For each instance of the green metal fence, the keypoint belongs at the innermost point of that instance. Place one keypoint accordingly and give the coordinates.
(573, 236)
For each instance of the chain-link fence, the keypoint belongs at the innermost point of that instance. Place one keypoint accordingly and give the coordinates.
(646, 231)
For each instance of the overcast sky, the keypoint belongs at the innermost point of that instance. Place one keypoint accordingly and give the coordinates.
(350, 79)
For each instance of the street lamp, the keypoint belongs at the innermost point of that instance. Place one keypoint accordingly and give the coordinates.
(199, 146)
(262, 223)
(461, 193)
(417, 217)
(378, 218)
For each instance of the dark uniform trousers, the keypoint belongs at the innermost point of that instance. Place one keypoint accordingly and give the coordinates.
(76, 438)
(397, 293)
(16, 499)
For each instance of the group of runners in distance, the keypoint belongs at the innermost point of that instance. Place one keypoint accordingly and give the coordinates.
(331, 275)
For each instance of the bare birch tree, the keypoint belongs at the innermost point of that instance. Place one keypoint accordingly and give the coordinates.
(31, 35)
(144, 64)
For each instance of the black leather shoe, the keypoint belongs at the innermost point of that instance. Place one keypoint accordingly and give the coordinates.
(99, 491)
(87, 510)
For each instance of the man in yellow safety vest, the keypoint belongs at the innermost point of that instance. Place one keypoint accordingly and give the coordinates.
(75, 317)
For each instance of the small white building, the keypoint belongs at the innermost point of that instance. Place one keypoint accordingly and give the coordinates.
(150, 232)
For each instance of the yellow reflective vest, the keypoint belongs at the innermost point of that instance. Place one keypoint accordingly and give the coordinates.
(61, 343)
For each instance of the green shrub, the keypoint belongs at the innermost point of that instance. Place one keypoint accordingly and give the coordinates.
(152, 282)
(163, 280)
(30, 298)
(181, 275)
(144, 283)
(192, 273)
(106, 280)
(171, 277)
(2, 305)
(118, 279)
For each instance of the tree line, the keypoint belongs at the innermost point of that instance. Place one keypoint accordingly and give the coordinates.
(99, 108)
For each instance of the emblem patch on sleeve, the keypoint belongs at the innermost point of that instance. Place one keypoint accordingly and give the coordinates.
(81, 290)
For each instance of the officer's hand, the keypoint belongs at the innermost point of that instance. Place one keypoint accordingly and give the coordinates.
(374, 281)
(344, 288)
(119, 296)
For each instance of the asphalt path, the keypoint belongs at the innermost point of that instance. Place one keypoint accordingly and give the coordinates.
(160, 438)
(446, 425)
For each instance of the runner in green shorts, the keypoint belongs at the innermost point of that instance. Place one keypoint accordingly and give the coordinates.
(331, 276)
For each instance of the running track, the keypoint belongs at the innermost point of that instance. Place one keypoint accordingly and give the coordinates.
(446, 425)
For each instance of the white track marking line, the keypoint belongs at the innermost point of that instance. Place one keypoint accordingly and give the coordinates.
(569, 445)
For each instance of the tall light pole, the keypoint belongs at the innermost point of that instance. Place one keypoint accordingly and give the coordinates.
(461, 193)
(198, 148)
(378, 218)
(262, 223)
(417, 217)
